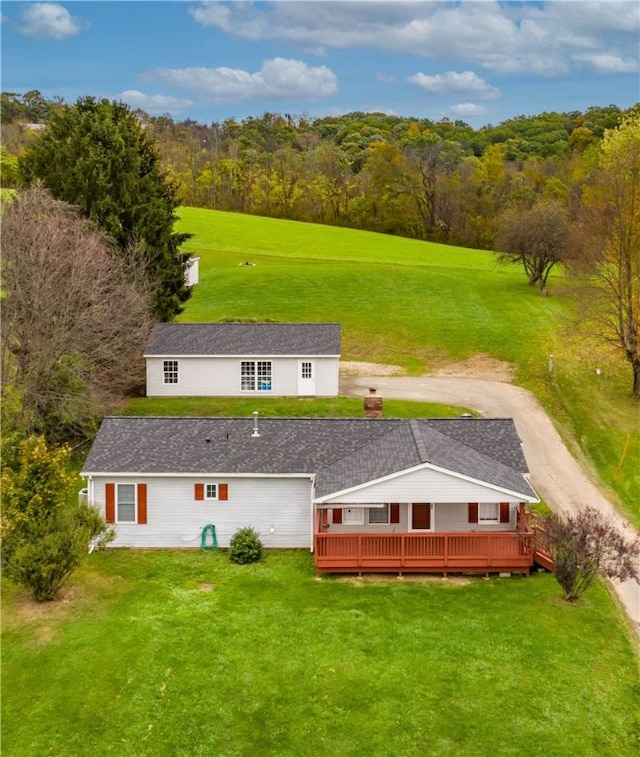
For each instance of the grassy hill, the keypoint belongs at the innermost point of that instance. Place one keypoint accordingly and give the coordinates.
(421, 306)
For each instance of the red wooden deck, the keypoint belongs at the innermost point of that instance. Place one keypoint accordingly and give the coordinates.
(491, 552)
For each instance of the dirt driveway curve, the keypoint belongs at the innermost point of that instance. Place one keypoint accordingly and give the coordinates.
(556, 475)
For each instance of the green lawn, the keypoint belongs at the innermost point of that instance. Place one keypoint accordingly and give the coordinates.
(420, 305)
(183, 654)
(283, 407)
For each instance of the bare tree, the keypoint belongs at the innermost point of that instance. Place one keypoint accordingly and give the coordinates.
(75, 318)
(537, 237)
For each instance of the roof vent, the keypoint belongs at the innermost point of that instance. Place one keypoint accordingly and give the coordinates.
(256, 433)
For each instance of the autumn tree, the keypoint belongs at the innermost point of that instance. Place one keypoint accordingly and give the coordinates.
(587, 545)
(97, 155)
(609, 237)
(46, 532)
(537, 237)
(75, 317)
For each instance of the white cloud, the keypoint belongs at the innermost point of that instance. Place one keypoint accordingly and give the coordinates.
(541, 38)
(279, 78)
(154, 105)
(603, 63)
(466, 110)
(453, 84)
(48, 20)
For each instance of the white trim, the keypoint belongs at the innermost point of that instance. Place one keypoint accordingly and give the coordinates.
(386, 522)
(165, 372)
(211, 483)
(195, 474)
(349, 505)
(494, 521)
(255, 375)
(354, 522)
(135, 504)
(427, 466)
(242, 355)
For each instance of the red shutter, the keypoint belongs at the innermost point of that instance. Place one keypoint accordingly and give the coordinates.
(473, 512)
(336, 516)
(110, 503)
(394, 514)
(142, 503)
(223, 491)
(198, 491)
(504, 512)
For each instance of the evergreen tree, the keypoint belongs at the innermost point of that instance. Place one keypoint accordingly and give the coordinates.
(97, 155)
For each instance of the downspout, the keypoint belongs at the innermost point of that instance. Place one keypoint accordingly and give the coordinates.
(312, 519)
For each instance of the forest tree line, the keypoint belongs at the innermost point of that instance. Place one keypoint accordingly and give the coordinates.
(439, 181)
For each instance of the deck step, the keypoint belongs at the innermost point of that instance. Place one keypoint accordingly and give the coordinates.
(543, 560)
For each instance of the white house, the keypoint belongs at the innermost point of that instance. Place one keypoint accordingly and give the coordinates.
(412, 488)
(243, 359)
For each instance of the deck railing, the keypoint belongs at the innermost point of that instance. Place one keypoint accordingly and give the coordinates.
(541, 540)
(420, 552)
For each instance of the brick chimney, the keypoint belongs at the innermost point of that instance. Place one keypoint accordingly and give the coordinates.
(372, 404)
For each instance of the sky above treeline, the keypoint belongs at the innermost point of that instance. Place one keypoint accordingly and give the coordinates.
(482, 61)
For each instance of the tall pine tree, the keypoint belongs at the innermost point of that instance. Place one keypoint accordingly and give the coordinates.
(96, 155)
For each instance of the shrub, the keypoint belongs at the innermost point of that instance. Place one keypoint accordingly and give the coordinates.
(45, 531)
(245, 546)
(586, 545)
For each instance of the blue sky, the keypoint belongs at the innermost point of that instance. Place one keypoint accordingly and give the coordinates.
(481, 61)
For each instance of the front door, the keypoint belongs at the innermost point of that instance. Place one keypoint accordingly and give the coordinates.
(421, 516)
(306, 377)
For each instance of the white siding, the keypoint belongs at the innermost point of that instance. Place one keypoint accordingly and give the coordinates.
(278, 508)
(445, 517)
(220, 377)
(455, 517)
(424, 485)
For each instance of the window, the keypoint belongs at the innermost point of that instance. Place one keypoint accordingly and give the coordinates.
(126, 503)
(379, 514)
(211, 491)
(488, 512)
(353, 516)
(306, 370)
(170, 371)
(255, 375)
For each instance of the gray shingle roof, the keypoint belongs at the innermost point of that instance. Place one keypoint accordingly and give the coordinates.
(244, 339)
(342, 452)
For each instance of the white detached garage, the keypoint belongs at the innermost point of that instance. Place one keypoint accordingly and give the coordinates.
(243, 359)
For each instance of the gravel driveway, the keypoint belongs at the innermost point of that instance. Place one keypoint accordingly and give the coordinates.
(555, 474)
